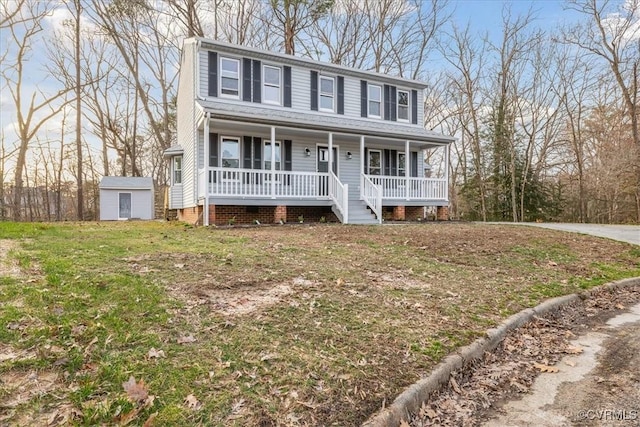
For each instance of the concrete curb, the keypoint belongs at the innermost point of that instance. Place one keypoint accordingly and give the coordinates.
(410, 400)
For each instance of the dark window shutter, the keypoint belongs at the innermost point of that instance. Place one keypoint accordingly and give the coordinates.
(213, 150)
(365, 160)
(287, 86)
(314, 91)
(363, 98)
(213, 74)
(414, 163)
(394, 104)
(393, 167)
(386, 159)
(246, 79)
(340, 95)
(247, 152)
(257, 153)
(414, 107)
(386, 95)
(257, 90)
(287, 155)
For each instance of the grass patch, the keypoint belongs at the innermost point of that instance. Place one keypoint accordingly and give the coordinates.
(267, 325)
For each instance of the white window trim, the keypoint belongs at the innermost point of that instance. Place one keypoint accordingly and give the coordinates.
(369, 85)
(264, 83)
(333, 94)
(238, 78)
(174, 170)
(237, 174)
(265, 160)
(400, 153)
(374, 150)
(408, 119)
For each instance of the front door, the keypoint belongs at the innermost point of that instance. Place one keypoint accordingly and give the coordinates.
(124, 205)
(323, 159)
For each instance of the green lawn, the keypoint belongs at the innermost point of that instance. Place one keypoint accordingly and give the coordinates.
(274, 325)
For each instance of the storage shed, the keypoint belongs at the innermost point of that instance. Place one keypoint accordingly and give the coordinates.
(123, 197)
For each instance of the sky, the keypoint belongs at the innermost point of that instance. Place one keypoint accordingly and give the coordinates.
(483, 16)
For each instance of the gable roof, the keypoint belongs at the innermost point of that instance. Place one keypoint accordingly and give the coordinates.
(126, 183)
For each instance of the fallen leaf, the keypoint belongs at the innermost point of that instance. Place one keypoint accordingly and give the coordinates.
(546, 368)
(149, 421)
(620, 307)
(136, 391)
(340, 281)
(153, 353)
(573, 350)
(552, 264)
(570, 363)
(192, 402)
(454, 385)
(178, 265)
(186, 339)
(403, 423)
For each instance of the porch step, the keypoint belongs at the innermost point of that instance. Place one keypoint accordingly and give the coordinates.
(360, 214)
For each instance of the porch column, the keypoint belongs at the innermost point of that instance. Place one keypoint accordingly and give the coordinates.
(362, 162)
(273, 162)
(330, 152)
(205, 180)
(407, 167)
(446, 171)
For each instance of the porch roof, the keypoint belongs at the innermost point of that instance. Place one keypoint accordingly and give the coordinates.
(322, 122)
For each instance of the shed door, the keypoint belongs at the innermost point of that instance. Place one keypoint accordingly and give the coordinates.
(124, 205)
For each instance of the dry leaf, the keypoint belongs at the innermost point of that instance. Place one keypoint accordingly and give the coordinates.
(136, 391)
(546, 368)
(552, 264)
(454, 385)
(192, 402)
(573, 350)
(149, 421)
(340, 281)
(570, 363)
(153, 353)
(403, 423)
(620, 306)
(186, 339)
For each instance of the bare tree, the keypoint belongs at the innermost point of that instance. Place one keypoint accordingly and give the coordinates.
(611, 34)
(295, 16)
(33, 109)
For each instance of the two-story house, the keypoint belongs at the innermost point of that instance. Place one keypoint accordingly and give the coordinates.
(269, 137)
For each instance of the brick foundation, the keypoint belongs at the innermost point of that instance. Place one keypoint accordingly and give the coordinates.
(310, 214)
(442, 213)
(190, 215)
(414, 213)
(398, 213)
(280, 214)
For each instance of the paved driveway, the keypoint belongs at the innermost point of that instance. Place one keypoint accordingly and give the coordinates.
(623, 233)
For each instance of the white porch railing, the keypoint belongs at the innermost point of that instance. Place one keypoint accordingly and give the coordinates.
(233, 182)
(339, 194)
(395, 187)
(372, 195)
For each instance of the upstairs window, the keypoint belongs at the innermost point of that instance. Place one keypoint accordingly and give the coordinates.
(403, 105)
(375, 101)
(177, 170)
(272, 86)
(327, 93)
(229, 77)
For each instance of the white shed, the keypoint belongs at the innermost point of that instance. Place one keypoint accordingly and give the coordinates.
(123, 197)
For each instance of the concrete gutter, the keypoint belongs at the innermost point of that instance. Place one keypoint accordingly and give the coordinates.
(410, 400)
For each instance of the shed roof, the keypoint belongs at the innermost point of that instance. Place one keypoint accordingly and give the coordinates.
(126, 183)
(330, 123)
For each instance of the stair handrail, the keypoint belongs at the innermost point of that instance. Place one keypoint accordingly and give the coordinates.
(339, 194)
(372, 196)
